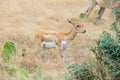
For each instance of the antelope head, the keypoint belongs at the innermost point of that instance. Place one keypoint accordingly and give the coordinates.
(77, 26)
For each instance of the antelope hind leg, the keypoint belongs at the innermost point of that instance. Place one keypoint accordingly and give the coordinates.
(100, 13)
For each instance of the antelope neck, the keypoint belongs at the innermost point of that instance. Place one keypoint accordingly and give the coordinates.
(71, 34)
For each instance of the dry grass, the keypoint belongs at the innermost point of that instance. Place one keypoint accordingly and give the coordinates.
(20, 19)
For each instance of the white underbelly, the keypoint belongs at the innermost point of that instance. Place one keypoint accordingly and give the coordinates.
(49, 45)
(65, 42)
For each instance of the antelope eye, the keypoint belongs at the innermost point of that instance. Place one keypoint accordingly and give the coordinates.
(78, 25)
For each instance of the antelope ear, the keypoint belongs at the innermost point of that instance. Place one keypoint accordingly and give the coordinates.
(69, 21)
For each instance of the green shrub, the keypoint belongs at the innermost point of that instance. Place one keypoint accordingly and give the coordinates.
(117, 14)
(116, 28)
(9, 49)
(108, 56)
(109, 46)
(80, 72)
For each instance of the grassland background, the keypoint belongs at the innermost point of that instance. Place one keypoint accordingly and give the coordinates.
(21, 19)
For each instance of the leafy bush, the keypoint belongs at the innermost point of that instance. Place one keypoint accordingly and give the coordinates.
(80, 72)
(109, 46)
(117, 14)
(108, 49)
(108, 56)
(116, 27)
(116, 24)
(9, 49)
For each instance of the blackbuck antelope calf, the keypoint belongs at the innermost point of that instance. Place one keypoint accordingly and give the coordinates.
(111, 4)
(59, 40)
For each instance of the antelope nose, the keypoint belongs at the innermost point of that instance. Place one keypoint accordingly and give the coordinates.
(84, 31)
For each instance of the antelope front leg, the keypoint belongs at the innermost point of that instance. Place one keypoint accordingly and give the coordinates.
(63, 53)
(63, 48)
(90, 9)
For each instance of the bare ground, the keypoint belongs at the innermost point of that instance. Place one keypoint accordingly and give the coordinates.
(21, 19)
